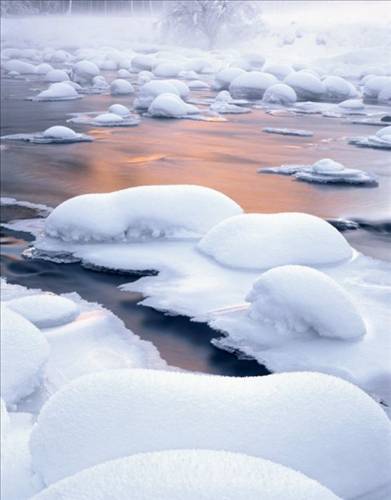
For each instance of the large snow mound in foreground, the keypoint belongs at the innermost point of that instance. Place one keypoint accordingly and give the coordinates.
(187, 475)
(140, 212)
(260, 241)
(302, 300)
(317, 424)
(24, 351)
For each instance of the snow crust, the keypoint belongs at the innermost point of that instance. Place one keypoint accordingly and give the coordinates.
(260, 241)
(277, 417)
(187, 475)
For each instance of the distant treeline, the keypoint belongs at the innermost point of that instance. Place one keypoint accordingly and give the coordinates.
(100, 7)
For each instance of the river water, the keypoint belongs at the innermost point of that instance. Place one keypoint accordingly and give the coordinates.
(221, 155)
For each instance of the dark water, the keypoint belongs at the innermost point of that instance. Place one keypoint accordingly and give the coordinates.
(223, 156)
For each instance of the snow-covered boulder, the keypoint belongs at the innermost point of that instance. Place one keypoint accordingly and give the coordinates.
(306, 85)
(58, 92)
(139, 213)
(152, 89)
(280, 71)
(374, 85)
(167, 70)
(182, 89)
(319, 425)
(251, 61)
(45, 310)
(121, 87)
(187, 475)
(119, 109)
(251, 85)
(108, 119)
(280, 93)
(198, 85)
(384, 95)
(84, 71)
(24, 351)
(299, 300)
(352, 106)
(99, 83)
(381, 140)
(338, 89)
(53, 135)
(124, 73)
(43, 68)
(60, 56)
(262, 241)
(59, 132)
(144, 62)
(56, 75)
(144, 77)
(224, 103)
(171, 106)
(224, 77)
(23, 68)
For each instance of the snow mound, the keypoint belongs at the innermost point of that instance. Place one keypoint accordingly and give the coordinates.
(45, 310)
(224, 103)
(381, 140)
(187, 475)
(84, 71)
(121, 87)
(251, 85)
(140, 212)
(374, 85)
(280, 93)
(119, 109)
(299, 300)
(144, 77)
(53, 135)
(167, 70)
(99, 83)
(171, 106)
(59, 132)
(144, 62)
(124, 73)
(280, 71)
(24, 351)
(338, 89)
(56, 75)
(288, 131)
(109, 119)
(224, 78)
(198, 85)
(21, 67)
(316, 424)
(261, 241)
(58, 92)
(43, 68)
(152, 89)
(352, 105)
(306, 85)
(384, 95)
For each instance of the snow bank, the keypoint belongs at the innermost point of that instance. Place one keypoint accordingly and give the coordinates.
(260, 241)
(306, 85)
(187, 475)
(140, 212)
(56, 75)
(298, 300)
(24, 351)
(338, 89)
(316, 424)
(57, 92)
(251, 85)
(45, 310)
(121, 87)
(280, 93)
(171, 106)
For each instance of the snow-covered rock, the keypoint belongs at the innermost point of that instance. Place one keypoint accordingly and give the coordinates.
(144, 62)
(338, 89)
(84, 71)
(224, 103)
(198, 85)
(119, 109)
(23, 68)
(140, 212)
(57, 134)
(144, 77)
(60, 91)
(299, 300)
(381, 140)
(56, 75)
(384, 95)
(280, 71)
(121, 87)
(288, 131)
(100, 83)
(181, 87)
(45, 310)
(171, 106)
(261, 241)
(306, 85)
(43, 68)
(224, 77)
(352, 106)
(167, 70)
(280, 93)
(251, 61)
(24, 351)
(374, 85)
(187, 475)
(152, 89)
(317, 424)
(60, 132)
(124, 73)
(251, 85)
(109, 119)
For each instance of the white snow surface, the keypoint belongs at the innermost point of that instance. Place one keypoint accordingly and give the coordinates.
(142, 212)
(261, 241)
(56, 75)
(316, 424)
(298, 301)
(306, 85)
(24, 351)
(171, 106)
(60, 132)
(187, 475)
(251, 85)
(58, 92)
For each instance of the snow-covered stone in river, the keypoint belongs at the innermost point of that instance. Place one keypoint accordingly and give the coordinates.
(23, 68)
(121, 87)
(261, 241)
(152, 89)
(60, 91)
(43, 68)
(251, 85)
(119, 109)
(280, 93)
(181, 87)
(84, 71)
(144, 77)
(306, 85)
(124, 73)
(171, 106)
(338, 89)
(187, 475)
(299, 300)
(384, 95)
(288, 131)
(45, 310)
(374, 85)
(144, 62)
(56, 75)
(99, 83)
(251, 61)
(137, 411)
(352, 105)
(224, 77)
(280, 71)
(381, 140)
(24, 351)
(144, 212)
(224, 103)
(167, 70)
